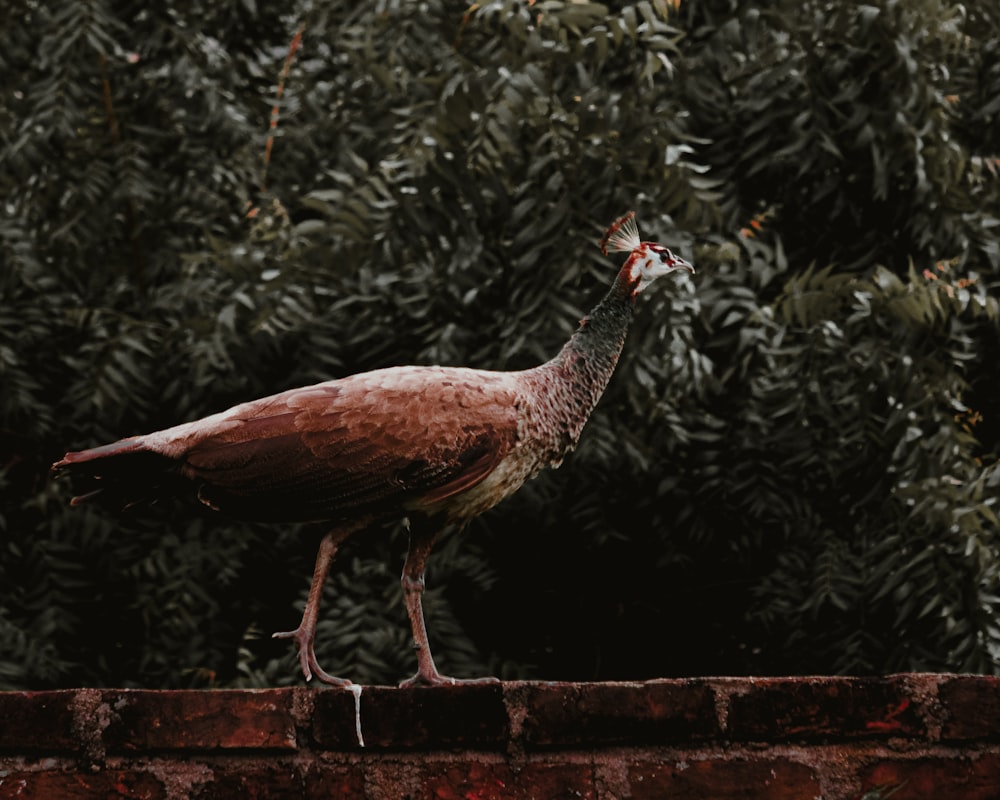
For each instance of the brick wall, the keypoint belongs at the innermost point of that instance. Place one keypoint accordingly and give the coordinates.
(904, 736)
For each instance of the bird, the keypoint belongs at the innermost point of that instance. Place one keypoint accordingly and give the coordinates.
(433, 446)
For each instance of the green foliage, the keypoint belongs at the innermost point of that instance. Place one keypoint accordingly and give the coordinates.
(796, 460)
(861, 119)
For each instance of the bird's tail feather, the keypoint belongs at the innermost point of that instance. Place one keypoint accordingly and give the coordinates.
(117, 475)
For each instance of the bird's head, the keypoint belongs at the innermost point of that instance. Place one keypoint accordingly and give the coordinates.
(647, 261)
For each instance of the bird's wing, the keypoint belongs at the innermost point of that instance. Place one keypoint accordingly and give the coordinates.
(371, 441)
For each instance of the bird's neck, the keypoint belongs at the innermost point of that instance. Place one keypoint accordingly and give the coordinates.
(576, 378)
(589, 357)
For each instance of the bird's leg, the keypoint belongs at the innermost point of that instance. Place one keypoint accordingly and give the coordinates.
(306, 632)
(421, 541)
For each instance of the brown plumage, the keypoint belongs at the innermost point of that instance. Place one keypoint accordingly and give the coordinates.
(436, 445)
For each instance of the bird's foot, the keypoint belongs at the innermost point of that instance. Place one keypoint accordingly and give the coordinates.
(437, 679)
(307, 658)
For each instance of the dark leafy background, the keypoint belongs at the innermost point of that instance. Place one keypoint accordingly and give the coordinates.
(795, 467)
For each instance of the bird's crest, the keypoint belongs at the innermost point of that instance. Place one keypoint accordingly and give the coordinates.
(622, 236)
(646, 261)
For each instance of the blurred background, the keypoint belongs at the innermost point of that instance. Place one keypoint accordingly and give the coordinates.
(794, 469)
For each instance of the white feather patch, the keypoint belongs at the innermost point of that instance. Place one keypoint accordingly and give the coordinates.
(622, 236)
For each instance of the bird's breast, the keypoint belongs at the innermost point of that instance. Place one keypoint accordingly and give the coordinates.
(506, 478)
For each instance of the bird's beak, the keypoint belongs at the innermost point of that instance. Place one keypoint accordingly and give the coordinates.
(680, 263)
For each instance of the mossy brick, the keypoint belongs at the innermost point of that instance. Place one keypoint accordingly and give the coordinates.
(584, 714)
(141, 720)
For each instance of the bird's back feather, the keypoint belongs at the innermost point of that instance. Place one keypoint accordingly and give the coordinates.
(371, 442)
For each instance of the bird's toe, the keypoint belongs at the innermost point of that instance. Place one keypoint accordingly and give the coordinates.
(307, 658)
(436, 679)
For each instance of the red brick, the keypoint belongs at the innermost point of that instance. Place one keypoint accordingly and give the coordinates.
(324, 781)
(258, 778)
(598, 741)
(971, 778)
(469, 716)
(972, 707)
(498, 781)
(199, 720)
(729, 779)
(334, 720)
(37, 721)
(108, 785)
(583, 714)
(809, 708)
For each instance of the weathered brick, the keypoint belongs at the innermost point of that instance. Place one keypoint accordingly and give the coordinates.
(498, 781)
(941, 778)
(809, 708)
(724, 779)
(972, 707)
(598, 741)
(465, 715)
(178, 720)
(257, 778)
(62, 785)
(37, 721)
(325, 781)
(335, 720)
(560, 715)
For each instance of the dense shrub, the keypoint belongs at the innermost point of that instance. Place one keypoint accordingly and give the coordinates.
(796, 460)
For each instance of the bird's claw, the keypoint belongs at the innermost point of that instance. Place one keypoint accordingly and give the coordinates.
(437, 679)
(307, 658)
